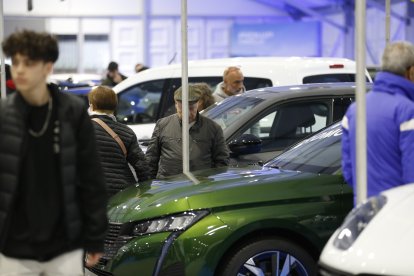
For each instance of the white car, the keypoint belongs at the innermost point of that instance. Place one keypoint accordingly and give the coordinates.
(75, 79)
(148, 95)
(376, 238)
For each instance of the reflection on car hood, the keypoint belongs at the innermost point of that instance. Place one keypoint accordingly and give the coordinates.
(217, 188)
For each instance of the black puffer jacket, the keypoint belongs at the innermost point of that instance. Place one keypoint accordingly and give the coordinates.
(208, 148)
(116, 170)
(83, 187)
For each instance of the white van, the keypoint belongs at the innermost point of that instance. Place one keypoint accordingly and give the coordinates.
(148, 96)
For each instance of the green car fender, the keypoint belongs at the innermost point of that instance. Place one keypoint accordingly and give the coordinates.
(210, 241)
(256, 223)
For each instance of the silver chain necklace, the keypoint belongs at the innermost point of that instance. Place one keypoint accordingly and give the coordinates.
(46, 124)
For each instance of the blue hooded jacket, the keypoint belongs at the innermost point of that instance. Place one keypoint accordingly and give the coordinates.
(390, 135)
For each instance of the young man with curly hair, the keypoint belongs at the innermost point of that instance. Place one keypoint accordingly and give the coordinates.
(52, 193)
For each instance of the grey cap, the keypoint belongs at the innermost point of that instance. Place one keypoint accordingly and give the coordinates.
(194, 93)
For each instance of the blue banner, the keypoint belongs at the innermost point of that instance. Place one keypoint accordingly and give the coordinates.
(276, 39)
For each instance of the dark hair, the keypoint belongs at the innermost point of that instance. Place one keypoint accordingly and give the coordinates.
(112, 66)
(36, 46)
(103, 98)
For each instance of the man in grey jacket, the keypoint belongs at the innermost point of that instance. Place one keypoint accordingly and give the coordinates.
(231, 85)
(207, 145)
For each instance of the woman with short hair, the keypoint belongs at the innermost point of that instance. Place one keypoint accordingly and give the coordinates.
(114, 157)
(206, 98)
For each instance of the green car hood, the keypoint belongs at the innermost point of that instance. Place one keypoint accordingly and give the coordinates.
(218, 188)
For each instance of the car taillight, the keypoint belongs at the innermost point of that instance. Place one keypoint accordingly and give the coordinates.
(336, 66)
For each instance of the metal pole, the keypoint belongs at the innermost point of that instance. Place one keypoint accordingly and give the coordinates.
(361, 120)
(387, 21)
(184, 84)
(3, 66)
(146, 39)
(349, 35)
(81, 43)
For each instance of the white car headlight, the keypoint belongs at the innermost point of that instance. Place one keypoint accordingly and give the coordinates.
(178, 222)
(357, 221)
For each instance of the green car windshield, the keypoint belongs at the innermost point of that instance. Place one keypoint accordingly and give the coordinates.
(230, 110)
(320, 153)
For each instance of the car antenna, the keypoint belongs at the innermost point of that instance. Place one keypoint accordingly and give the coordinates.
(173, 58)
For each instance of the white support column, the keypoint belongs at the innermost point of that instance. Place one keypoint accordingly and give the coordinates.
(146, 34)
(81, 41)
(409, 23)
(349, 38)
(184, 85)
(387, 21)
(361, 120)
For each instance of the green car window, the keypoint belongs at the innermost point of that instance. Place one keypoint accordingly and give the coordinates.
(321, 153)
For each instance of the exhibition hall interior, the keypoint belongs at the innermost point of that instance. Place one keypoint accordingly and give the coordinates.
(202, 138)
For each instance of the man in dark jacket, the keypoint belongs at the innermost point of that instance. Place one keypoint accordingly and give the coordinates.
(113, 77)
(390, 124)
(208, 148)
(52, 193)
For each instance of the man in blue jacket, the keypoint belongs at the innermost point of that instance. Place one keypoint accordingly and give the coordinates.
(390, 124)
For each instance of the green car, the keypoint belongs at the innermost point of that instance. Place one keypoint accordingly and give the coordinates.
(270, 220)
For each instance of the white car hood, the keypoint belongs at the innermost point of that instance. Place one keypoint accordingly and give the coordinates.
(385, 246)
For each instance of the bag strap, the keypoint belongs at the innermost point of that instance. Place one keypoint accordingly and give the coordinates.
(112, 133)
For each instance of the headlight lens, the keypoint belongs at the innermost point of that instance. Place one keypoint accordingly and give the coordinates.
(357, 221)
(178, 222)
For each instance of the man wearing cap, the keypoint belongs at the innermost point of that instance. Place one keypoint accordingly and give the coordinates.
(113, 77)
(207, 145)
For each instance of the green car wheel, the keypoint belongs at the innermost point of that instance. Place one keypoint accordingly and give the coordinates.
(270, 256)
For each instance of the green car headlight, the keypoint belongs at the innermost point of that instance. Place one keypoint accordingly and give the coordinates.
(177, 222)
(357, 221)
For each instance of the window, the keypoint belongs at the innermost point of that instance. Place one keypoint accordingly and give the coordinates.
(320, 153)
(68, 54)
(288, 124)
(95, 53)
(340, 106)
(230, 110)
(253, 83)
(139, 104)
(330, 78)
(94, 49)
(168, 105)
